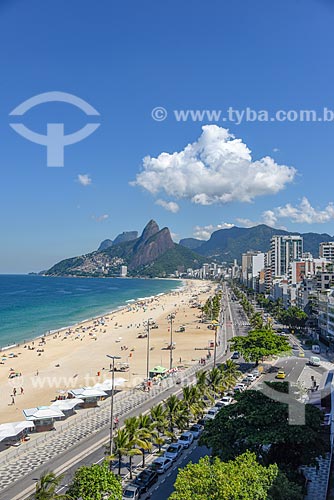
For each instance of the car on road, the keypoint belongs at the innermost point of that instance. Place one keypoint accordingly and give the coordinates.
(173, 451)
(145, 480)
(161, 464)
(226, 400)
(314, 361)
(295, 346)
(251, 377)
(239, 387)
(210, 414)
(301, 354)
(281, 374)
(257, 373)
(186, 439)
(316, 349)
(131, 492)
(197, 430)
(235, 355)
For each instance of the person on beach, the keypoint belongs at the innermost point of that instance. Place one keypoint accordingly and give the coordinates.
(13, 400)
(21, 390)
(14, 392)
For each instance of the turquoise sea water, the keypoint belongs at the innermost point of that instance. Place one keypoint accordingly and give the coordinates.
(33, 305)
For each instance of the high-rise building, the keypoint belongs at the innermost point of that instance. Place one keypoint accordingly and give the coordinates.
(124, 271)
(284, 249)
(252, 264)
(326, 250)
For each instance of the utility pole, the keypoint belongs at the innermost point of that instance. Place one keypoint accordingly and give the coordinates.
(111, 435)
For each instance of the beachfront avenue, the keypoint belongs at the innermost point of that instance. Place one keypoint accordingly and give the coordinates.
(88, 432)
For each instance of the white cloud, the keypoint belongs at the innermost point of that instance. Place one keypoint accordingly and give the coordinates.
(276, 150)
(84, 179)
(171, 206)
(306, 213)
(204, 232)
(217, 168)
(100, 218)
(175, 236)
(268, 217)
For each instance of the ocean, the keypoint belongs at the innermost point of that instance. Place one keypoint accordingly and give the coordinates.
(31, 306)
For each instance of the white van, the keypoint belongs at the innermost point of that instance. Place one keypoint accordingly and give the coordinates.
(314, 361)
(316, 349)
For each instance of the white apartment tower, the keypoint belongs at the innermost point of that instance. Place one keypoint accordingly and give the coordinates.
(326, 250)
(284, 249)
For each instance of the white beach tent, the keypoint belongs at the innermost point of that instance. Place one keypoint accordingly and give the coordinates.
(87, 392)
(43, 413)
(107, 384)
(67, 404)
(13, 429)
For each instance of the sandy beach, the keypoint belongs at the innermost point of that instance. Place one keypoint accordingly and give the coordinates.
(76, 357)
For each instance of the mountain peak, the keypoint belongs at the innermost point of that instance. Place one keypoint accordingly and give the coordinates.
(150, 229)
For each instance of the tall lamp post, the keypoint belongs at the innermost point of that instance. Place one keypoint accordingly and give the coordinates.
(215, 325)
(148, 323)
(111, 435)
(170, 318)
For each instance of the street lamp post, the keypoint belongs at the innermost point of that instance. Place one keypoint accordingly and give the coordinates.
(216, 325)
(111, 435)
(148, 324)
(170, 318)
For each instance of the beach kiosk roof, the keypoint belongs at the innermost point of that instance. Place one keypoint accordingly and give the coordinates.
(43, 412)
(67, 404)
(12, 429)
(107, 384)
(87, 392)
(158, 370)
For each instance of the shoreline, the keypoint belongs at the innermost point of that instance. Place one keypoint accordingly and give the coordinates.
(74, 358)
(95, 317)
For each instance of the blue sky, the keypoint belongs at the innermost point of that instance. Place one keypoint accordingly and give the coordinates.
(126, 58)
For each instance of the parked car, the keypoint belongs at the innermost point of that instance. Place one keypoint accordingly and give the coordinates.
(281, 374)
(173, 451)
(131, 492)
(197, 430)
(251, 377)
(316, 349)
(161, 464)
(186, 439)
(295, 346)
(210, 414)
(239, 387)
(257, 373)
(145, 480)
(236, 355)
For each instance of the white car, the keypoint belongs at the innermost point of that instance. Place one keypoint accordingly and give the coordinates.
(251, 377)
(256, 373)
(210, 414)
(161, 464)
(239, 387)
(131, 492)
(173, 451)
(186, 439)
(197, 430)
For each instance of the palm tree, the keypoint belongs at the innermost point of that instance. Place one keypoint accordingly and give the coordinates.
(46, 487)
(176, 415)
(192, 400)
(134, 439)
(215, 381)
(121, 447)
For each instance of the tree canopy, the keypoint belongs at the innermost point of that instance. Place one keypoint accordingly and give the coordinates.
(260, 424)
(240, 479)
(258, 344)
(95, 482)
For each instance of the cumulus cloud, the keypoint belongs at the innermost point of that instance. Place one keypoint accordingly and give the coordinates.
(100, 218)
(306, 213)
(217, 168)
(268, 217)
(84, 179)
(171, 206)
(204, 232)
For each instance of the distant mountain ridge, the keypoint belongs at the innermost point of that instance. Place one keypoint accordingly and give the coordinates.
(231, 243)
(121, 238)
(153, 254)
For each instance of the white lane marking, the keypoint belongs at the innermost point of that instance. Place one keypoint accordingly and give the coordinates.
(101, 460)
